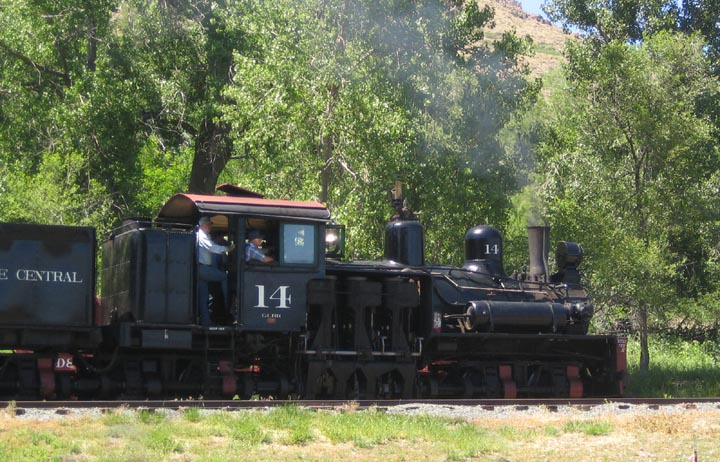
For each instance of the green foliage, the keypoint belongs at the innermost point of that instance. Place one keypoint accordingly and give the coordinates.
(407, 437)
(116, 418)
(248, 431)
(162, 440)
(63, 110)
(679, 368)
(631, 163)
(373, 92)
(91, 81)
(458, 439)
(40, 446)
(701, 16)
(53, 195)
(163, 174)
(308, 100)
(610, 20)
(701, 311)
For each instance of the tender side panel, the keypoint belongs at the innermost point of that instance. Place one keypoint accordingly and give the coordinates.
(47, 275)
(169, 277)
(148, 275)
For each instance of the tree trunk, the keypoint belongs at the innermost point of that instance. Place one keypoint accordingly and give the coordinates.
(644, 349)
(212, 152)
(327, 143)
(213, 146)
(92, 46)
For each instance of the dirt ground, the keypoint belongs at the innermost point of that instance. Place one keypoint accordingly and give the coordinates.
(689, 436)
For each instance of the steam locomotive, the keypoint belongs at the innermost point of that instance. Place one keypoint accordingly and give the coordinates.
(308, 326)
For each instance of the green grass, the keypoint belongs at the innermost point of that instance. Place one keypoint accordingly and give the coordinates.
(148, 436)
(298, 434)
(678, 369)
(457, 439)
(192, 414)
(588, 427)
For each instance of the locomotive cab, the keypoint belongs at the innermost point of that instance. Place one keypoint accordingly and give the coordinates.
(272, 295)
(261, 296)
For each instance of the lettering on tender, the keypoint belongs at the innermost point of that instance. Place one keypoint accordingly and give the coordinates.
(33, 275)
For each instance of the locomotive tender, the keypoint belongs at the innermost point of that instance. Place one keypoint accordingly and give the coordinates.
(307, 326)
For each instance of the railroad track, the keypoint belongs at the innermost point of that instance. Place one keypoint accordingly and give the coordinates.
(19, 407)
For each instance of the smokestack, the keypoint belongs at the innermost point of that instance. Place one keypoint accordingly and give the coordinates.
(539, 246)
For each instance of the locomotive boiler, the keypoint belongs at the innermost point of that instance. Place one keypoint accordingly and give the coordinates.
(308, 325)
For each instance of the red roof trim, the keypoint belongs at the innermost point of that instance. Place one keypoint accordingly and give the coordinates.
(199, 198)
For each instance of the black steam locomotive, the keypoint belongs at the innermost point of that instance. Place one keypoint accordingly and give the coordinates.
(306, 326)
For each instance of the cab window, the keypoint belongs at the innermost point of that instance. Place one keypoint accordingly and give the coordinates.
(298, 244)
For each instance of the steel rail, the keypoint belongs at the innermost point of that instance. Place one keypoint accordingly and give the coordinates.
(230, 405)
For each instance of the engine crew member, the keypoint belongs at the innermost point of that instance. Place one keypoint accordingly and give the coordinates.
(207, 272)
(252, 248)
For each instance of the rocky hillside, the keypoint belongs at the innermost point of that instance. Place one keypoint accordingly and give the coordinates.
(549, 39)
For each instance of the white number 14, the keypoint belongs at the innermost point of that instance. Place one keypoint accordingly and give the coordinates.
(281, 295)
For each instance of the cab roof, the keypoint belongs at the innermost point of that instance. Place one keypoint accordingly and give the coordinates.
(188, 208)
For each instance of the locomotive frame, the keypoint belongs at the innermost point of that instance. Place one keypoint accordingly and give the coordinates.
(309, 326)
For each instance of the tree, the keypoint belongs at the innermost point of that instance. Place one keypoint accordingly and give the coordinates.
(49, 52)
(333, 100)
(635, 19)
(336, 100)
(132, 87)
(702, 16)
(181, 51)
(634, 170)
(615, 20)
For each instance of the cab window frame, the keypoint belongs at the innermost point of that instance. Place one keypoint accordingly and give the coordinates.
(285, 233)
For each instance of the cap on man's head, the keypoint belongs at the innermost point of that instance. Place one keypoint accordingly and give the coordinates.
(204, 220)
(254, 234)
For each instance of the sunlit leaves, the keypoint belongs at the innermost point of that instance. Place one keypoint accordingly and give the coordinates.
(330, 100)
(338, 100)
(631, 175)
